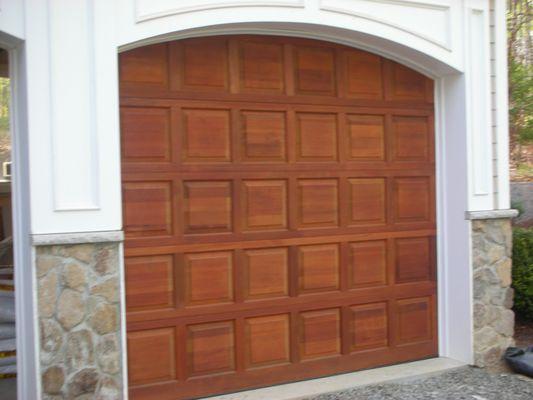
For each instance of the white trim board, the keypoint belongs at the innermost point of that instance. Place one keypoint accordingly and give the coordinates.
(314, 387)
(77, 238)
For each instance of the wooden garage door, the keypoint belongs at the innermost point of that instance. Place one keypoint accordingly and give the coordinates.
(279, 212)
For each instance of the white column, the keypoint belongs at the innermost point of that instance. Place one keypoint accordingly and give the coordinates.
(73, 116)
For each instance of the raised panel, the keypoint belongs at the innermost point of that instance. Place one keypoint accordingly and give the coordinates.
(315, 70)
(205, 64)
(210, 348)
(145, 134)
(206, 135)
(207, 206)
(318, 268)
(413, 259)
(368, 326)
(262, 67)
(146, 10)
(267, 340)
(264, 136)
(316, 137)
(363, 75)
(266, 273)
(368, 264)
(147, 208)
(145, 67)
(264, 204)
(406, 84)
(149, 282)
(411, 139)
(367, 201)
(413, 320)
(208, 278)
(412, 197)
(319, 334)
(317, 203)
(366, 137)
(151, 356)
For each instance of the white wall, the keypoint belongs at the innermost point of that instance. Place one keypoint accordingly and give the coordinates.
(73, 92)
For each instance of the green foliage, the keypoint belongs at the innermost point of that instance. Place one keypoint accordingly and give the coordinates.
(523, 272)
(519, 206)
(4, 104)
(521, 101)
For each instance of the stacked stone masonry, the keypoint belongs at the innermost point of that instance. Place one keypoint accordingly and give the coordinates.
(493, 295)
(79, 318)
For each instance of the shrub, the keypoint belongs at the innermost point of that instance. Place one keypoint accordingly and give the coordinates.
(523, 272)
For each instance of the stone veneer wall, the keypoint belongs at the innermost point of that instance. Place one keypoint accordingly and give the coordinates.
(79, 318)
(493, 295)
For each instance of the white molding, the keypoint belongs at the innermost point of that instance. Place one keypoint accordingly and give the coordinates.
(349, 8)
(28, 343)
(502, 105)
(75, 238)
(194, 6)
(491, 214)
(123, 336)
(479, 114)
(73, 80)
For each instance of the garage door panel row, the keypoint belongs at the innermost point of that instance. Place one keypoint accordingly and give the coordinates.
(185, 135)
(269, 67)
(170, 208)
(213, 348)
(255, 274)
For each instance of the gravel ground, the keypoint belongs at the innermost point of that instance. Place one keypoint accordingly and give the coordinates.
(462, 384)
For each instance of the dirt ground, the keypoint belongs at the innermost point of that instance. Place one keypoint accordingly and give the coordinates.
(524, 333)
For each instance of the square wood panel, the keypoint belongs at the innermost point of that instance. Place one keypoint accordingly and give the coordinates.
(264, 136)
(367, 201)
(149, 282)
(208, 278)
(207, 206)
(368, 263)
(316, 137)
(413, 259)
(147, 208)
(151, 356)
(366, 137)
(262, 67)
(267, 340)
(210, 348)
(266, 273)
(411, 138)
(406, 84)
(363, 74)
(318, 203)
(206, 135)
(412, 199)
(318, 268)
(205, 64)
(414, 320)
(264, 204)
(315, 70)
(368, 326)
(145, 134)
(145, 67)
(319, 334)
